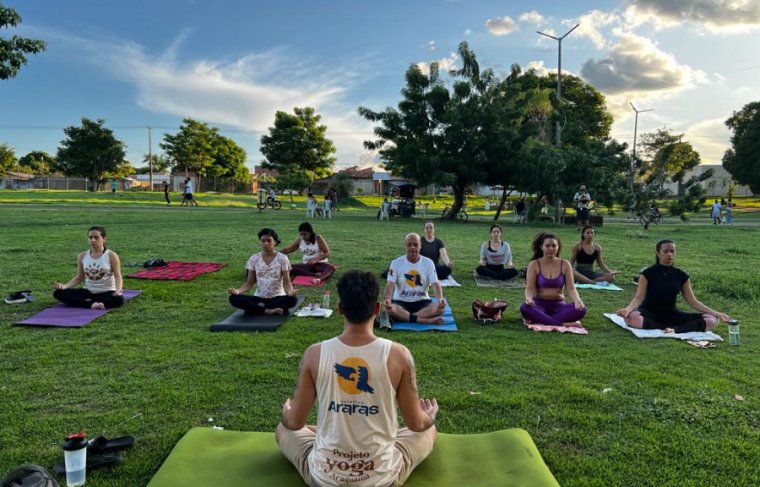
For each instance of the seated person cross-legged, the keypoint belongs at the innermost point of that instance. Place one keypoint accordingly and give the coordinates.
(270, 271)
(409, 278)
(584, 254)
(314, 252)
(495, 254)
(433, 249)
(654, 305)
(546, 276)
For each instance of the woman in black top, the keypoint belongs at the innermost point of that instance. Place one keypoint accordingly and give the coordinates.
(654, 305)
(433, 249)
(584, 254)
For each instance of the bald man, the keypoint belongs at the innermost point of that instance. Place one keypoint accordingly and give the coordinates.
(410, 276)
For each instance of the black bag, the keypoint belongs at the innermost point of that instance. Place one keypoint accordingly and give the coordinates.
(155, 263)
(488, 312)
(29, 476)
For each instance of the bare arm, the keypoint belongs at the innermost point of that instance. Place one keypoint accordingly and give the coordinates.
(296, 411)
(638, 298)
(79, 277)
(116, 269)
(570, 286)
(445, 256)
(286, 283)
(600, 261)
(418, 414)
(324, 250)
(688, 295)
(438, 293)
(388, 294)
(248, 284)
(530, 282)
(483, 260)
(292, 247)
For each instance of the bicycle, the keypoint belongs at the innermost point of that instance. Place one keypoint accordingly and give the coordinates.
(272, 203)
(651, 216)
(461, 214)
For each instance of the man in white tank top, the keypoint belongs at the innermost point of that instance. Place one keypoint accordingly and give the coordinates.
(357, 379)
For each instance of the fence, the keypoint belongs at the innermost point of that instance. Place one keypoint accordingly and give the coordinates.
(45, 182)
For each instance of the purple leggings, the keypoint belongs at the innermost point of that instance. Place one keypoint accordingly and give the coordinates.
(551, 312)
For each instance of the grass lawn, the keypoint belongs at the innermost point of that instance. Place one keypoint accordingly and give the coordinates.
(605, 409)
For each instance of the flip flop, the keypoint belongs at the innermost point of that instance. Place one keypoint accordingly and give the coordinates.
(101, 444)
(93, 461)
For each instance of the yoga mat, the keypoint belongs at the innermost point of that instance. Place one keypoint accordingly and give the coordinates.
(481, 281)
(450, 282)
(448, 323)
(608, 287)
(641, 333)
(306, 281)
(239, 321)
(234, 458)
(177, 271)
(578, 330)
(65, 316)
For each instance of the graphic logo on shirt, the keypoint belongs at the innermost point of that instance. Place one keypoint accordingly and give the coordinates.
(413, 279)
(353, 376)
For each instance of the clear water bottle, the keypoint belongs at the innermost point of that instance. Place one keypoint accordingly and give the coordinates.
(733, 332)
(326, 300)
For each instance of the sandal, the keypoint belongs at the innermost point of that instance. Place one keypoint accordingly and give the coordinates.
(101, 444)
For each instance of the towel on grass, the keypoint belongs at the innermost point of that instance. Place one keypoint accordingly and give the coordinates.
(177, 271)
(448, 323)
(205, 456)
(306, 281)
(642, 333)
(450, 282)
(66, 316)
(608, 287)
(578, 330)
(481, 281)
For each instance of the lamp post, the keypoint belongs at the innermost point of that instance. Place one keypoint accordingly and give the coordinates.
(559, 74)
(635, 133)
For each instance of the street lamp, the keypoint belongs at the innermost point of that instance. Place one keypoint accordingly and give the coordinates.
(635, 132)
(559, 74)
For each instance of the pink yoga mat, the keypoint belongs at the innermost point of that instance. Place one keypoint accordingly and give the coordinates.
(66, 316)
(578, 330)
(305, 281)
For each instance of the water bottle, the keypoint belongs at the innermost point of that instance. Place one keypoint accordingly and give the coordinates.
(75, 459)
(733, 332)
(326, 300)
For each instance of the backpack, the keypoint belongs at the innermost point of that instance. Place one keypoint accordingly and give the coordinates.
(489, 312)
(28, 476)
(154, 263)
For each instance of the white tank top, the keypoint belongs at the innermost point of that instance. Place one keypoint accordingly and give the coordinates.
(356, 421)
(98, 275)
(309, 251)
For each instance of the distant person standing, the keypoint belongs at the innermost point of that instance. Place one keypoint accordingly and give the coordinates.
(165, 189)
(114, 185)
(334, 199)
(715, 213)
(728, 215)
(188, 196)
(582, 200)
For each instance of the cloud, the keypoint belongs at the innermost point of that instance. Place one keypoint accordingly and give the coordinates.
(532, 17)
(710, 138)
(467, 32)
(635, 64)
(501, 26)
(430, 46)
(723, 15)
(590, 24)
(244, 92)
(444, 64)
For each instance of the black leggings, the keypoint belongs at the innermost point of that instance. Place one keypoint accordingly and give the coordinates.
(678, 320)
(443, 271)
(494, 271)
(255, 305)
(82, 298)
(166, 195)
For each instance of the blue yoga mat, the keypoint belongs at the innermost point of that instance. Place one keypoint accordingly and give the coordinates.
(448, 323)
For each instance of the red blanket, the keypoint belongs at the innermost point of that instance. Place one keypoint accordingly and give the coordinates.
(180, 271)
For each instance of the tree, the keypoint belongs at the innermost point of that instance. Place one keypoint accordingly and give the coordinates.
(13, 51)
(742, 160)
(666, 158)
(343, 185)
(39, 162)
(297, 144)
(192, 148)
(160, 163)
(292, 179)
(7, 158)
(123, 170)
(90, 151)
(229, 160)
(437, 135)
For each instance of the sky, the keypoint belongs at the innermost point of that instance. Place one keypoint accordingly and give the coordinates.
(234, 64)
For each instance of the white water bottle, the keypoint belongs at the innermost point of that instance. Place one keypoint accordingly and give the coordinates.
(326, 300)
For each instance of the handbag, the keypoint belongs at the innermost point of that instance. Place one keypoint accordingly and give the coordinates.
(489, 312)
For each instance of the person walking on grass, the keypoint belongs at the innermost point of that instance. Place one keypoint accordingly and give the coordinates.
(654, 305)
(100, 269)
(188, 198)
(715, 212)
(165, 189)
(357, 380)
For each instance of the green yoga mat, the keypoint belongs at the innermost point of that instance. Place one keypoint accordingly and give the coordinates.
(206, 457)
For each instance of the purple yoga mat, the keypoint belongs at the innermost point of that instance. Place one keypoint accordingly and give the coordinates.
(62, 315)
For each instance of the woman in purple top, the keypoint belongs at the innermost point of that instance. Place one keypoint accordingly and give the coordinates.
(547, 275)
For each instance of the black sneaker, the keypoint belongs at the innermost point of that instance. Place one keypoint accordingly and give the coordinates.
(19, 297)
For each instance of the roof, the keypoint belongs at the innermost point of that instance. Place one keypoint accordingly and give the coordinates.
(355, 173)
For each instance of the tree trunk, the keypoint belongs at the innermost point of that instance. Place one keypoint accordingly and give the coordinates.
(502, 200)
(458, 201)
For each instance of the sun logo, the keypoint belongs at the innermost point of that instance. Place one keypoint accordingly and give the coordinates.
(413, 279)
(354, 376)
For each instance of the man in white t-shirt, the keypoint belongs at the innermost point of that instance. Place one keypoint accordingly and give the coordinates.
(357, 380)
(410, 276)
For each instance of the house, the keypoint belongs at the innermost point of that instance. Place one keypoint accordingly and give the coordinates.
(367, 180)
(717, 184)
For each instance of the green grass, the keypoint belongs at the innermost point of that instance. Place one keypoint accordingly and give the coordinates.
(152, 369)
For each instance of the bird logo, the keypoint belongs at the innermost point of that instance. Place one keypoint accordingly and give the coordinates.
(354, 376)
(413, 279)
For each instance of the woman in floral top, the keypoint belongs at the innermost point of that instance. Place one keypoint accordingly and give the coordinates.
(270, 270)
